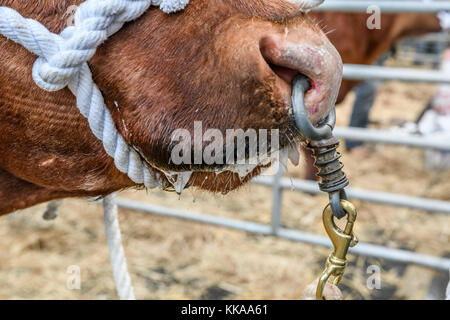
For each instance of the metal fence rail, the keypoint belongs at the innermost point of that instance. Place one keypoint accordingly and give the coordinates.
(436, 37)
(385, 6)
(365, 72)
(429, 205)
(391, 137)
(418, 57)
(364, 249)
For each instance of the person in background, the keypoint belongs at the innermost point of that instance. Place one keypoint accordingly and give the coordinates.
(435, 121)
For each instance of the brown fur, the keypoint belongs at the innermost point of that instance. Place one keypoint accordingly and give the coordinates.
(164, 71)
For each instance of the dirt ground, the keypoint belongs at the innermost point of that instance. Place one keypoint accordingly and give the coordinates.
(172, 259)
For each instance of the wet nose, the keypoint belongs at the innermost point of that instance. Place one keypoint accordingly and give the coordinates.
(309, 54)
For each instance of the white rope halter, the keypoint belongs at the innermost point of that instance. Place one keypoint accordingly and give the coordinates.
(62, 62)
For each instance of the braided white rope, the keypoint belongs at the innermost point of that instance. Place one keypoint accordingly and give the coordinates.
(116, 253)
(63, 62)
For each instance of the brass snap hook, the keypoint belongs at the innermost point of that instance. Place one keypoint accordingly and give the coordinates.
(342, 240)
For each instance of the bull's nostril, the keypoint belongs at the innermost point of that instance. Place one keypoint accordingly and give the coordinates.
(289, 75)
(285, 56)
(271, 52)
(284, 73)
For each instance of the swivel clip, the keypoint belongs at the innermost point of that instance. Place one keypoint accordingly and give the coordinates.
(342, 240)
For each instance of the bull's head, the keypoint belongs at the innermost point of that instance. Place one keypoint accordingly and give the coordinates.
(226, 64)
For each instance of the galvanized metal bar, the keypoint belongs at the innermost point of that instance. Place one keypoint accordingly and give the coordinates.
(364, 249)
(277, 198)
(366, 72)
(419, 57)
(372, 250)
(434, 37)
(385, 6)
(389, 137)
(429, 205)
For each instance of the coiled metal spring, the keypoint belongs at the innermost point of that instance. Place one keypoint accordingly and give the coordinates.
(330, 168)
(333, 179)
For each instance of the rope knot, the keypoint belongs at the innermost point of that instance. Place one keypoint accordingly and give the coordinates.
(77, 44)
(94, 22)
(50, 78)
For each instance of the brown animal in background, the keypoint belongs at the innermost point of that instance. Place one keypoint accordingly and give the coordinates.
(226, 63)
(358, 45)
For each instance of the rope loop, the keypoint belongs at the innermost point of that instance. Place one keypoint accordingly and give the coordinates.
(94, 22)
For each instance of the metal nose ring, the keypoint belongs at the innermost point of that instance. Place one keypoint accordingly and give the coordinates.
(304, 125)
